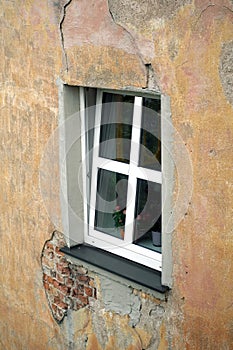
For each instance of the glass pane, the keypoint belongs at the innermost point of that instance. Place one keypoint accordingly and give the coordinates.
(111, 203)
(147, 228)
(116, 127)
(150, 148)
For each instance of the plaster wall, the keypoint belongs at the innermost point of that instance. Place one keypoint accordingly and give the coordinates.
(182, 48)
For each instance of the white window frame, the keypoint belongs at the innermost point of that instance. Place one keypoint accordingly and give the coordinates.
(73, 204)
(124, 248)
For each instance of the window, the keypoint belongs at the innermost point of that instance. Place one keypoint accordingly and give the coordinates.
(123, 172)
(122, 161)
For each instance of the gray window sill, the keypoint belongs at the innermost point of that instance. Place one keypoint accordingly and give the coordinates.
(117, 265)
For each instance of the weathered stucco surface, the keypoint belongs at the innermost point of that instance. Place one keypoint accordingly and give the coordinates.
(186, 46)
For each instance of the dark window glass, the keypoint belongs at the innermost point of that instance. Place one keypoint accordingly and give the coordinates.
(148, 215)
(150, 145)
(116, 127)
(111, 203)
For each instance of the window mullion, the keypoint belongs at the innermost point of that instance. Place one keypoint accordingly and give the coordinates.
(134, 156)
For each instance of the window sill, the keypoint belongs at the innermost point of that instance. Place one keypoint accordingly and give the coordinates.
(117, 265)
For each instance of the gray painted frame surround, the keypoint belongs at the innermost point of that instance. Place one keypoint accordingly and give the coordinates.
(70, 158)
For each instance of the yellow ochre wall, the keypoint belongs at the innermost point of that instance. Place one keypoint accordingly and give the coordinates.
(183, 47)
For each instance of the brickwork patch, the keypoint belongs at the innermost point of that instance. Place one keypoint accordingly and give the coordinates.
(67, 285)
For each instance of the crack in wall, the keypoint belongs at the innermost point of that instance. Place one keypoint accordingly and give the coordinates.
(133, 41)
(201, 13)
(228, 8)
(206, 8)
(62, 35)
(151, 81)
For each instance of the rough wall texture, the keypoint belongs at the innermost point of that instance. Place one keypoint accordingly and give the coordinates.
(187, 46)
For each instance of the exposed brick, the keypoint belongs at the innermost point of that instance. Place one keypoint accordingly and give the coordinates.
(58, 299)
(63, 270)
(77, 292)
(64, 289)
(60, 278)
(47, 278)
(62, 305)
(67, 285)
(69, 282)
(83, 299)
(83, 278)
(49, 245)
(88, 291)
(56, 284)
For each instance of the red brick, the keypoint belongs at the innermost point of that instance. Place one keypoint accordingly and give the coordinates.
(57, 300)
(64, 289)
(47, 278)
(83, 278)
(62, 305)
(63, 270)
(83, 299)
(56, 284)
(88, 291)
(77, 292)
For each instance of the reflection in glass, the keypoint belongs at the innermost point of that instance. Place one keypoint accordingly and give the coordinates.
(111, 203)
(116, 127)
(150, 148)
(148, 215)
